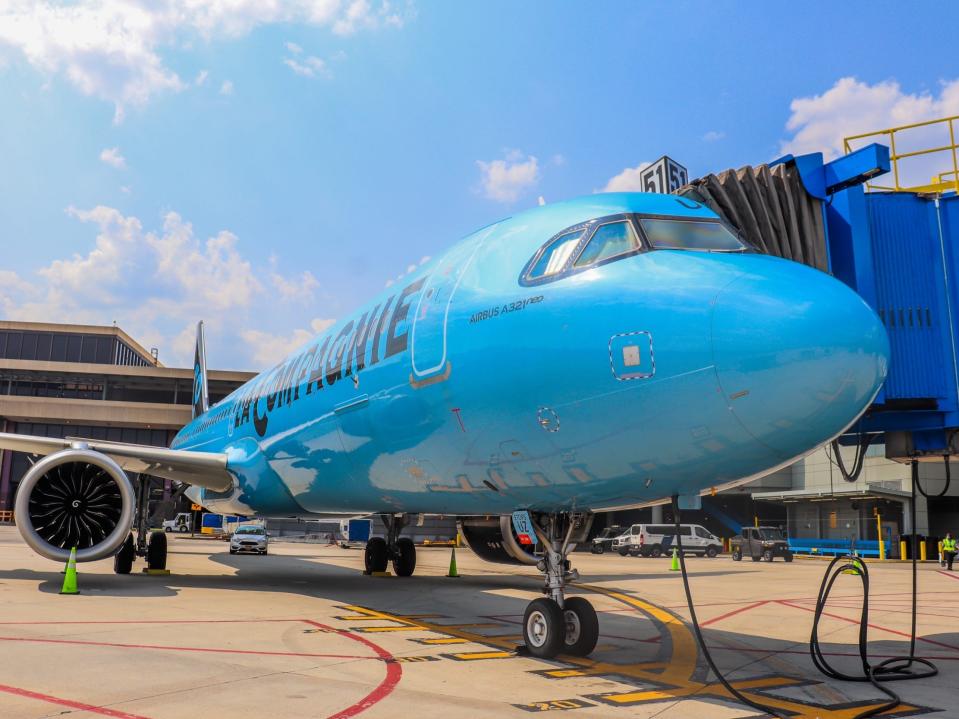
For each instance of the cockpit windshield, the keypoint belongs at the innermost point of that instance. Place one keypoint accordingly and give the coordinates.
(686, 235)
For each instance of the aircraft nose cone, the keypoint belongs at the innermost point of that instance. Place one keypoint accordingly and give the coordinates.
(798, 354)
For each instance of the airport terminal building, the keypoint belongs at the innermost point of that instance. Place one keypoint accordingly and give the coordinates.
(59, 380)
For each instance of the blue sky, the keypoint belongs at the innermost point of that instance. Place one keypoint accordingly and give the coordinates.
(269, 168)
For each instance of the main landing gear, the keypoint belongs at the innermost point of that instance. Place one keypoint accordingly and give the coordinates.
(150, 545)
(400, 550)
(553, 624)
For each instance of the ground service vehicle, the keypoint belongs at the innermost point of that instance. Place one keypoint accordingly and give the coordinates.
(183, 522)
(647, 540)
(761, 543)
(603, 542)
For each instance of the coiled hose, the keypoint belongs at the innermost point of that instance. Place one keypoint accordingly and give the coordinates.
(892, 669)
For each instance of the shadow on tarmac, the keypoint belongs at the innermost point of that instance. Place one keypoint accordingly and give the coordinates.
(628, 639)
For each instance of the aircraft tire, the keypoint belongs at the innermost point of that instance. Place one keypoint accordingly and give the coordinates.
(123, 560)
(405, 560)
(582, 627)
(156, 551)
(544, 628)
(375, 556)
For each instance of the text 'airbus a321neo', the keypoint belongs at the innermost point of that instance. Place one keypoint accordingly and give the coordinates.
(601, 353)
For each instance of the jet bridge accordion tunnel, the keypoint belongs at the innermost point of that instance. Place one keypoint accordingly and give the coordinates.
(898, 249)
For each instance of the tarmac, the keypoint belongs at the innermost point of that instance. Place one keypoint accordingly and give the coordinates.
(303, 633)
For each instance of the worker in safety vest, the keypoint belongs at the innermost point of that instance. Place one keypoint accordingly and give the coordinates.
(949, 550)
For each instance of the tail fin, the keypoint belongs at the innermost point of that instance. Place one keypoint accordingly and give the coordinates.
(201, 396)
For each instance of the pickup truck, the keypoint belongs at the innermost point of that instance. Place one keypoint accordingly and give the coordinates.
(760, 543)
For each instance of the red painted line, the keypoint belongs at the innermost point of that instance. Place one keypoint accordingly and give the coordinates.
(394, 672)
(734, 612)
(154, 621)
(871, 626)
(947, 574)
(102, 711)
(162, 647)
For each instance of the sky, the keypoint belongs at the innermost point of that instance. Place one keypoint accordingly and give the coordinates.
(267, 167)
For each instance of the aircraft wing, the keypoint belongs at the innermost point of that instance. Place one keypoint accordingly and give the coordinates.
(203, 469)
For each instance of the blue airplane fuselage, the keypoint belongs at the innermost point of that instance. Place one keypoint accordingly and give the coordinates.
(466, 389)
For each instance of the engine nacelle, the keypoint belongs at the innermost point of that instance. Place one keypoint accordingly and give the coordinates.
(493, 540)
(75, 498)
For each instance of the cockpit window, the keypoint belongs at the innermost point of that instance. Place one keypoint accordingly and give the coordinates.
(610, 240)
(685, 235)
(555, 255)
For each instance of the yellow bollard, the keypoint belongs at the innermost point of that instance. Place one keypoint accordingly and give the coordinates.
(922, 551)
(882, 544)
(902, 550)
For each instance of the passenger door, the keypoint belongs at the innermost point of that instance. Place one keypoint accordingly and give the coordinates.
(428, 350)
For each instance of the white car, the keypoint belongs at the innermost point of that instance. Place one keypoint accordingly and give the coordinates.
(251, 539)
(646, 540)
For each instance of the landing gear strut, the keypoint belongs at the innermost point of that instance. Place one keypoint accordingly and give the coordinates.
(401, 550)
(151, 545)
(554, 624)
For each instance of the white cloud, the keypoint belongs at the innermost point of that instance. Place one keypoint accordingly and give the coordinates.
(111, 156)
(268, 349)
(226, 88)
(714, 136)
(294, 48)
(319, 324)
(310, 67)
(850, 107)
(157, 284)
(201, 78)
(627, 180)
(410, 269)
(505, 180)
(295, 288)
(111, 49)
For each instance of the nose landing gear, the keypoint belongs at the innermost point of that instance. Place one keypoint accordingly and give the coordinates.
(553, 624)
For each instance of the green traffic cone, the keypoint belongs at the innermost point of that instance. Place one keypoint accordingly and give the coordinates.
(70, 579)
(674, 567)
(452, 573)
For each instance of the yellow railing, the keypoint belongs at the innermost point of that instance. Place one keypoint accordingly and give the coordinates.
(6, 516)
(939, 182)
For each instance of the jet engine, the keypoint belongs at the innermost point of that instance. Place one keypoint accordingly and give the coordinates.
(75, 498)
(493, 539)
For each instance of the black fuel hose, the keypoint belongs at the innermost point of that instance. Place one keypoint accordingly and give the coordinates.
(892, 669)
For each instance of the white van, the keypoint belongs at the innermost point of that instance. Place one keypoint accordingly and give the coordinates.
(646, 540)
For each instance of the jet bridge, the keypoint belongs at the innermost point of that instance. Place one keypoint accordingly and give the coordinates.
(896, 244)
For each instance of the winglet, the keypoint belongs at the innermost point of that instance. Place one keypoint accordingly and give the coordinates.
(201, 396)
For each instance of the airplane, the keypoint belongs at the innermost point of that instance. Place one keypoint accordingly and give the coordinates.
(601, 353)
